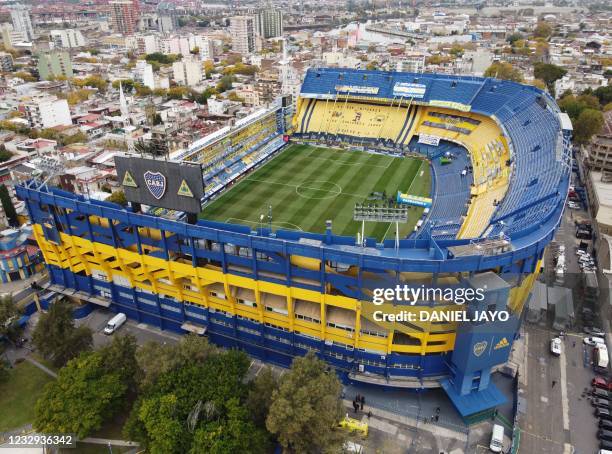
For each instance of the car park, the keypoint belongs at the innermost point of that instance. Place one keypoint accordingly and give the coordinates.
(555, 346)
(593, 341)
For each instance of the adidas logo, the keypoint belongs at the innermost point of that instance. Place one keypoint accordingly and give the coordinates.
(501, 344)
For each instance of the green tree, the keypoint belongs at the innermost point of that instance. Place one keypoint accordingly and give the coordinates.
(259, 399)
(542, 30)
(195, 406)
(56, 337)
(225, 84)
(549, 73)
(574, 105)
(504, 70)
(7, 206)
(514, 37)
(236, 433)
(127, 85)
(9, 315)
(86, 394)
(118, 197)
(155, 359)
(5, 155)
(306, 408)
(604, 94)
(177, 92)
(589, 122)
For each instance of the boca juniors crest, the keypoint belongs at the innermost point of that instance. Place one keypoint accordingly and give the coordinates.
(156, 183)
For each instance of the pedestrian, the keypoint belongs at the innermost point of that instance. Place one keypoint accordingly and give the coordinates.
(355, 406)
(358, 398)
(437, 410)
(362, 401)
(369, 414)
(554, 382)
(574, 344)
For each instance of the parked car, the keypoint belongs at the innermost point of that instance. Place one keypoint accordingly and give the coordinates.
(601, 403)
(604, 435)
(555, 346)
(603, 413)
(593, 331)
(605, 423)
(601, 394)
(593, 341)
(600, 382)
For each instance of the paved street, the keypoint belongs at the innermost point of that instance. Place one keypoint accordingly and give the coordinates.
(559, 417)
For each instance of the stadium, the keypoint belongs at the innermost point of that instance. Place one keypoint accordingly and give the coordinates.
(373, 180)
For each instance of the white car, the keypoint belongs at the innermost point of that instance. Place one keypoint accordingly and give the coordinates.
(593, 341)
(555, 346)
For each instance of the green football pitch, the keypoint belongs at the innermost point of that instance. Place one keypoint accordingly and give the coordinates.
(306, 185)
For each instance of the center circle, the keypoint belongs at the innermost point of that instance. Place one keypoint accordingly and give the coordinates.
(318, 190)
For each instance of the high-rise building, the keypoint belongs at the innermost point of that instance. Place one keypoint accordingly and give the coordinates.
(67, 39)
(20, 15)
(47, 111)
(187, 71)
(124, 16)
(53, 64)
(269, 23)
(6, 62)
(242, 29)
(204, 44)
(143, 73)
(9, 36)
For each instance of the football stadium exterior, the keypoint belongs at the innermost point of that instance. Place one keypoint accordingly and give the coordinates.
(500, 158)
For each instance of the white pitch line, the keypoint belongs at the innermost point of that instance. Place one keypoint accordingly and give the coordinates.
(295, 186)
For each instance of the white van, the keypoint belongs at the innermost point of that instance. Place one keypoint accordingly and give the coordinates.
(114, 323)
(497, 439)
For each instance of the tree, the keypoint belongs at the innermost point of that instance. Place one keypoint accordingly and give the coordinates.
(26, 76)
(574, 105)
(87, 392)
(604, 94)
(126, 84)
(9, 315)
(306, 408)
(504, 70)
(589, 122)
(7, 206)
(118, 197)
(514, 37)
(542, 30)
(259, 399)
(225, 83)
(549, 73)
(155, 359)
(120, 355)
(177, 92)
(196, 406)
(56, 337)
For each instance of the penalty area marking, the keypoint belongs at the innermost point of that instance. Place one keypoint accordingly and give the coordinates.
(279, 224)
